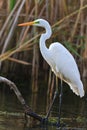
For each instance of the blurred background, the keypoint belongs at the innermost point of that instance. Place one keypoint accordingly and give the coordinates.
(20, 57)
(19, 48)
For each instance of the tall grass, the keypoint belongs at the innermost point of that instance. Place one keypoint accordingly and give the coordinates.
(19, 46)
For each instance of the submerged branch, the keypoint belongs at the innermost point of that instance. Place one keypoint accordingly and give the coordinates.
(27, 109)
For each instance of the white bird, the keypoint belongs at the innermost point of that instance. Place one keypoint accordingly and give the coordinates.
(59, 58)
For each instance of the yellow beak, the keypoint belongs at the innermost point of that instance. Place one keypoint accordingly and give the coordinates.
(26, 24)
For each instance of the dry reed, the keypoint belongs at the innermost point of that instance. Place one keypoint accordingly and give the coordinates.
(68, 20)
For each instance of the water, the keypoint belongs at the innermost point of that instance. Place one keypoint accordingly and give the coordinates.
(74, 111)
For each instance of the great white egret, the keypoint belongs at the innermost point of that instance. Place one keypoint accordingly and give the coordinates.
(60, 60)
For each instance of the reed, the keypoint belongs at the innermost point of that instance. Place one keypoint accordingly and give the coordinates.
(20, 45)
(11, 4)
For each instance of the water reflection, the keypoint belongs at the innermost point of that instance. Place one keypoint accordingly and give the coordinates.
(74, 111)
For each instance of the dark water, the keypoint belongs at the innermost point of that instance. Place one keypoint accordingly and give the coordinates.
(74, 110)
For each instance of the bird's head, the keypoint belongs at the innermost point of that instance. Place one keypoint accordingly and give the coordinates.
(38, 22)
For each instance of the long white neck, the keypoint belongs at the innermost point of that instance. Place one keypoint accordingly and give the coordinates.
(44, 50)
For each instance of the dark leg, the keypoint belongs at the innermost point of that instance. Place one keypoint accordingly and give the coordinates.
(45, 120)
(60, 102)
(55, 95)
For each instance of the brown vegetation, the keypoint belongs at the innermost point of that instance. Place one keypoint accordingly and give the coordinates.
(19, 46)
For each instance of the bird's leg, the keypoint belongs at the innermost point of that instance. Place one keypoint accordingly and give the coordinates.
(55, 95)
(60, 102)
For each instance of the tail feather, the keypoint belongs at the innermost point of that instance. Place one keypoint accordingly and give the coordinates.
(77, 88)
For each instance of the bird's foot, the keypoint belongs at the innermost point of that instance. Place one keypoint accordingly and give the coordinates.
(44, 121)
(58, 124)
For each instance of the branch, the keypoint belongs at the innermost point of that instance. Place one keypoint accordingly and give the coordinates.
(27, 109)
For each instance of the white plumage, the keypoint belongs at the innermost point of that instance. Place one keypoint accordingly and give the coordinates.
(65, 67)
(61, 61)
(59, 58)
